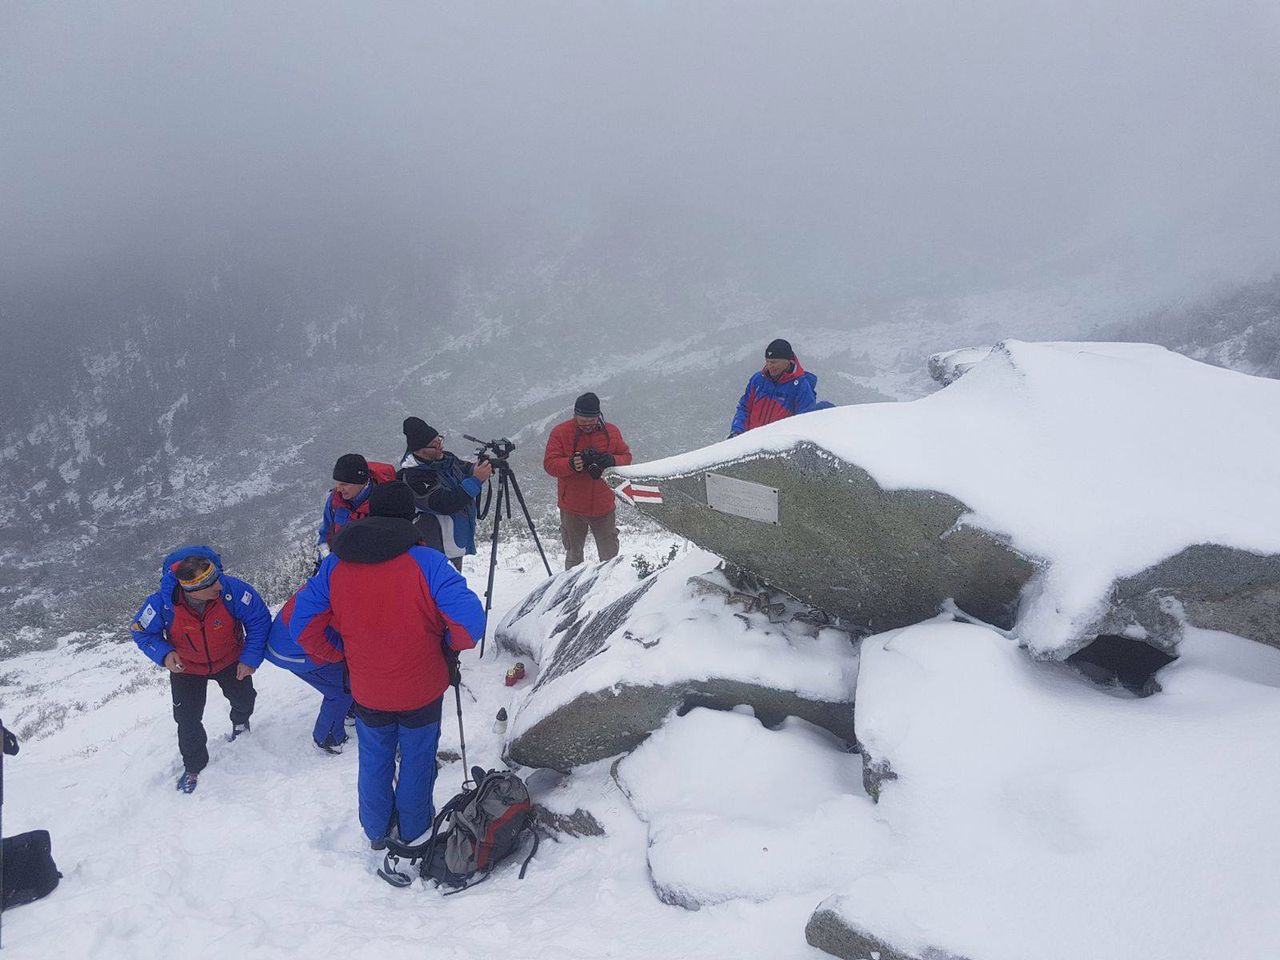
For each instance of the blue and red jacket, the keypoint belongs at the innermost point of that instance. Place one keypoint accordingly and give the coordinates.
(766, 400)
(283, 650)
(396, 604)
(338, 511)
(231, 628)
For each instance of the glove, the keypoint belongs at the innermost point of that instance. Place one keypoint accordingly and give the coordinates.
(455, 669)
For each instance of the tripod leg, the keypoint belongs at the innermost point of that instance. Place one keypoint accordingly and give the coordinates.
(515, 485)
(493, 556)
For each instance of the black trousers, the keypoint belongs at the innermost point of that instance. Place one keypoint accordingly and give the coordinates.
(189, 692)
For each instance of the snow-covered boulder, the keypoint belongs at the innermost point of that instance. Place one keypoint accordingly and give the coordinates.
(1036, 816)
(836, 934)
(948, 367)
(616, 656)
(769, 816)
(1065, 489)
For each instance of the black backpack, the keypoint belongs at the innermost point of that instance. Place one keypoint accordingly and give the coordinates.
(486, 824)
(29, 870)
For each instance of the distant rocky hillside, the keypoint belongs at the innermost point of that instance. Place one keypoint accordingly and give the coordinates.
(137, 416)
(1238, 328)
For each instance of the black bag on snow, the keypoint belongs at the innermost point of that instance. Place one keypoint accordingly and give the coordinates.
(485, 825)
(29, 870)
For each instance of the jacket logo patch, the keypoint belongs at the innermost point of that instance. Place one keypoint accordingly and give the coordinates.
(217, 624)
(245, 598)
(148, 614)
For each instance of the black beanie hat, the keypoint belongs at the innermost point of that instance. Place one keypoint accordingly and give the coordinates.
(351, 468)
(393, 499)
(418, 433)
(587, 405)
(779, 350)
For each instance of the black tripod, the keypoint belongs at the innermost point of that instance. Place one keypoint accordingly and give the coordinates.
(497, 452)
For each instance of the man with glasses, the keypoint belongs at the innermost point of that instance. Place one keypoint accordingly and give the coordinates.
(445, 489)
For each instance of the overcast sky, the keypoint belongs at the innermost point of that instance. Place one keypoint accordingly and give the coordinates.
(886, 135)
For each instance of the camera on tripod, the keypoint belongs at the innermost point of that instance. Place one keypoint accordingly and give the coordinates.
(496, 450)
(595, 462)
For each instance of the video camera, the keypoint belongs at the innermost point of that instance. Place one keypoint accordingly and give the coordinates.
(492, 449)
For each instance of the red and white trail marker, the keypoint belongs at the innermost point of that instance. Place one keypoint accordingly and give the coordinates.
(639, 495)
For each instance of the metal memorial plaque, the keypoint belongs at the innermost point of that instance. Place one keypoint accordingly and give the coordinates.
(742, 498)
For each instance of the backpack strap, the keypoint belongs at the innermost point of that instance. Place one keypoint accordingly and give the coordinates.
(525, 866)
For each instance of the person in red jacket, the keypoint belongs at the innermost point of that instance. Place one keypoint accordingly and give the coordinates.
(403, 613)
(578, 452)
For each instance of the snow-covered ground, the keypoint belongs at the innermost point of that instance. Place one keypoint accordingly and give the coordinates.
(1033, 815)
(266, 859)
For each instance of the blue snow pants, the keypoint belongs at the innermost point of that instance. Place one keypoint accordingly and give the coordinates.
(331, 680)
(417, 734)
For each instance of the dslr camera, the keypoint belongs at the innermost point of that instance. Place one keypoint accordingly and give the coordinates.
(595, 462)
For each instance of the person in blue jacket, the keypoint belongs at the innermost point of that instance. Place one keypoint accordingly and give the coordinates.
(203, 625)
(781, 388)
(444, 488)
(329, 732)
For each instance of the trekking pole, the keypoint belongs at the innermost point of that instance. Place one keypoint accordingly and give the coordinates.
(462, 739)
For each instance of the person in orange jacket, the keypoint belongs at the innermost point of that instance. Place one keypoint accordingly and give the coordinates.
(578, 452)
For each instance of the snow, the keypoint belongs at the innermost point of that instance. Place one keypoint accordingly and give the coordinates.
(1100, 459)
(1033, 815)
(691, 638)
(266, 859)
(779, 813)
(1036, 815)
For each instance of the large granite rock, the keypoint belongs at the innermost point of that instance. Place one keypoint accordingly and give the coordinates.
(835, 934)
(1064, 491)
(1205, 585)
(877, 558)
(613, 667)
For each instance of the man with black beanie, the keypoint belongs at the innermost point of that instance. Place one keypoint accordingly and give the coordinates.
(403, 614)
(353, 479)
(779, 390)
(578, 452)
(444, 488)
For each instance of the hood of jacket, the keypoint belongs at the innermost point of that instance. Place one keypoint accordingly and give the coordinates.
(374, 540)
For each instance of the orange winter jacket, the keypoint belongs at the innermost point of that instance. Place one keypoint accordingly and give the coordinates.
(581, 493)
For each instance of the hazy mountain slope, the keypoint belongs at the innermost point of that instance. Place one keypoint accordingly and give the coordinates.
(1237, 328)
(214, 412)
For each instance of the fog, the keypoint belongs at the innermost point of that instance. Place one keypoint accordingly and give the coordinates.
(237, 238)
(893, 142)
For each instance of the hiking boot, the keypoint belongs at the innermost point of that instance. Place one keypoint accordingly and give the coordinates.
(237, 729)
(187, 782)
(393, 833)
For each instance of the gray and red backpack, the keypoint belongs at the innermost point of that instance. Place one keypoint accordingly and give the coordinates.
(471, 834)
